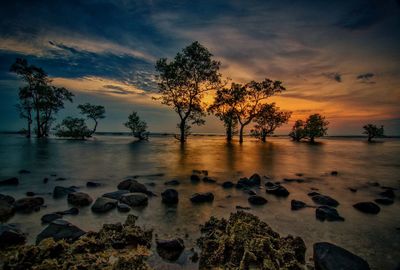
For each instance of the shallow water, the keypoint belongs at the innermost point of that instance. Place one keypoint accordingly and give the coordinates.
(110, 159)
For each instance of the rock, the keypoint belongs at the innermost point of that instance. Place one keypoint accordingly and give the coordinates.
(243, 183)
(205, 172)
(10, 236)
(79, 199)
(313, 193)
(59, 191)
(242, 207)
(325, 200)
(384, 201)
(45, 180)
(328, 256)
(6, 199)
(228, 184)
(50, 217)
(30, 194)
(123, 207)
(389, 193)
(195, 178)
(367, 207)
(328, 213)
(277, 190)
(257, 200)
(172, 183)
(270, 184)
(255, 179)
(353, 189)
(170, 249)
(373, 184)
(209, 180)
(92, 184)
(297, 205)
(135, 199)
(116, 195)
(72, 211)
(13, 181)
(334, 173)
(6, 211)
(195, 257)
(61, 179)
(249, 192)
(125, 184)
(60, 229)
(103, 204)
(202, 197)
(170, 196)
(24, 171)
(134, 187)
(28, 205)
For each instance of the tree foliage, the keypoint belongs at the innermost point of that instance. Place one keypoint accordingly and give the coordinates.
(184, 81)
(298, 131)
(72, 127)
(372, 131)
(137, 126)
(94, 112)
(316, 126)
(268, 119)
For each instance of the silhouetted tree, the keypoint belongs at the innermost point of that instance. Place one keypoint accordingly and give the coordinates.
(373, 131)
(38, 96)
(137, 126)
(94, 112)
(316, 126)
(267, 120)
(183, 82)
(72, 127)
(298, 131)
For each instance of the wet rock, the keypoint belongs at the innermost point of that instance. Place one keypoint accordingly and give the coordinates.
(13, 181)
(209, 180)
(116, 195)
(299, 174)
(195, 178)
(10, 236)
(134, 187)
(328, 256)
(103, 204)
(79, 199)
(277, 190)
(313, 193)
(172, 183)
(270, 184)
(202, 197)
(60, 192)
(28, 205)
(135, 199)
(45, 180)
(228, 184)
(244, 183)
(325, 200)
(249, 192)
(384, 201)
(255, 179)
(205, 172)
(170, 249)
(60, 229)
(6, 211)
(123, 207)
(23, 171)
(389, 193)
(125, 184)
(328, 213)
(334, 173)
(170, 196)
(242, 207)
(353, 189)
(50, 217)
(6, 199)
(297, 205)
(72, 211)
(30, 193)
(92, 184)
(195, 257)
(222, 243)
(257, 200)
(367, 207)
(61, 179)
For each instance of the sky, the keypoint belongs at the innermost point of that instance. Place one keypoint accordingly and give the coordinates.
(337, 58)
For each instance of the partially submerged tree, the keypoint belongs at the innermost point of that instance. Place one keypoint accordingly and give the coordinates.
(25, 109)
(316, 126)
(137, 126)
(372, 131)
(72, 127)
(268, 119)
(94, 112)
(183, 82)
(298, 131)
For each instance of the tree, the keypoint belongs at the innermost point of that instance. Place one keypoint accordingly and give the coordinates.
(298, 131)
(373, 131)
(38, 96)
(94, 112)
(72, 127)
(268, 119)
(183, 82)
(137, 126)
(316, 126)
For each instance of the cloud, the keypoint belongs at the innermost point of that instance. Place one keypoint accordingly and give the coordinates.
(362, 17)
(333, 76)
(366, 77)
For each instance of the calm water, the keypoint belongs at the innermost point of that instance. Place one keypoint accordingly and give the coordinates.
(110, 159)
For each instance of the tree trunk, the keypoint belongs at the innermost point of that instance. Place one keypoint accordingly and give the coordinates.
(28, 134)
(369, 139)
(312, 140)
(95, 127)
(241, 133)
(182, 126)
(229, 133)
(264, 137)
(38, 127)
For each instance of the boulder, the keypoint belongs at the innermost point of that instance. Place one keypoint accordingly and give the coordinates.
(297, 205)
(243, 183)
(328, 256)
(30, 194)
(92, 184)
(313, 193)
(228, 184)
(255, 179)
(384, 201)
(50, 217)
(122, 207)
(133, 186)
(23, 171)
(79, 199)
(6, 199)
(60, 192)
(202, 197)
(328, 213)
(45, 180)
(28, 205)
(324, 200)
(115, 195)
(10, 236)
(103, 204)
(249, 192)
(72, 211)
(334, 173)
(367, 207)
(13, 181)
(172, 183)
(170, 196)
(209, 180)
(125, 184)
(257, 200)
(170, 249)
(277, 190)
(195, 178)
(60, 229)
(389, 193)
(135, 199)
(6, 211)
